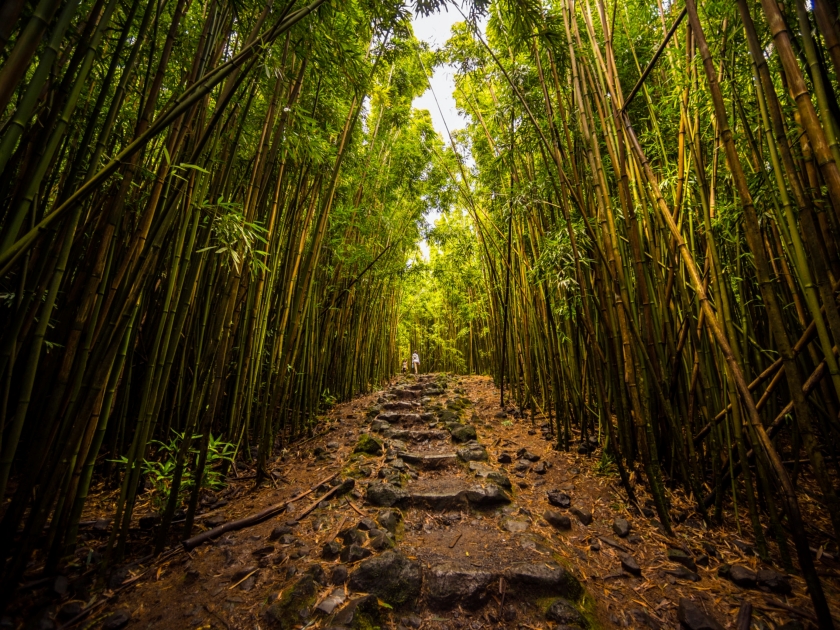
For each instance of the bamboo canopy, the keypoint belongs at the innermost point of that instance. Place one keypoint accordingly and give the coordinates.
(209, 223)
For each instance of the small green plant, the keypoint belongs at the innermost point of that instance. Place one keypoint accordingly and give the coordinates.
(507, 423)
(160, 472)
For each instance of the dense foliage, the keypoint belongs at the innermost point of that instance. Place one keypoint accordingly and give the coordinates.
(209, 225)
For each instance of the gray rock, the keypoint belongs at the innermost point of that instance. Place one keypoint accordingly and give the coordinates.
(354, 553)
(742, 576)
(514, 526)
(692, 617)
(332, 601)
(563, 612)
(381, 541)
(559, 499)
(439, 500)
(280, 530)
(464, 433)
(390, 576)
(557, 520)
(430, 460)
(681, 557)
(449, 585)
(621, 527)
(629, 564)
(500, 479)
(504, 458)
(331, 550)
(472, 452)
(534, 579)
(540, 468)
(389, 519)
(583, 515)
(774, 581)
(356, 610)
(338, 575)
(486, 496)
(384, 495)
(116, 621)
(366, 524)
(527, 455)
(682, 573)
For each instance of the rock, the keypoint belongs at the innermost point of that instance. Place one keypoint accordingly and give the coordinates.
(390, 576)
(280, 530)
(464, 433)
(381, 541)
(430, 460)
(621, 527)
(389, 519)
(634, 539)
(116, 621)
(504, 458)
(774, 581)
(412, 621)
(352, 535)
(61, 585)
(559, 499)
(629, 564)
(681, 557)
(354, 553)
(332, 601)
(557, 520)
(742, 576)
(331, 550)
(368, 445)
(644, 620)
(486, 496)
(366, 524)
(338, 575)
(293, 607)
(384, 494)
(563, 612)
(500, 479)
(522, 465)
(692, 617)
(682, 573)
(745, 548)
(360, 612)
(515, 527)
(449, 585)
(379, 426)
(540, 468)
(536, 579)
(595, 545)
(472, 452)
(480, 469)
(702, 560)
(263, 551)
(523, 453)
(583, 515)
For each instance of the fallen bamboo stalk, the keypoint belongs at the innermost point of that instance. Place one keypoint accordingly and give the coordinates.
(254, 519)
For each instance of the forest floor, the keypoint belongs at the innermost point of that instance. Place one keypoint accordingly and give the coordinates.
(443, 528)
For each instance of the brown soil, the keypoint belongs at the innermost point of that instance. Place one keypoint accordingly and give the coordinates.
(230, 582)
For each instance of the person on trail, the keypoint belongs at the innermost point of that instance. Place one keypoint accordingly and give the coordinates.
(415, 360)
(405, 366)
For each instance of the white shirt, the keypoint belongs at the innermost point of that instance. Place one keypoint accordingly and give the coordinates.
(415, 358)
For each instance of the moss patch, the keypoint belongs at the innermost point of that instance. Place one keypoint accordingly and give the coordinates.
(368, 445)
(294, 606)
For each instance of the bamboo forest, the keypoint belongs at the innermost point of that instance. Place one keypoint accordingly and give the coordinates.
(279, 350)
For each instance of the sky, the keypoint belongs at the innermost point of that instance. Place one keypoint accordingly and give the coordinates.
(436, 29)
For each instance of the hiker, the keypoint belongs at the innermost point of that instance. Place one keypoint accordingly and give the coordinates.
(415, 360)
(405, 366)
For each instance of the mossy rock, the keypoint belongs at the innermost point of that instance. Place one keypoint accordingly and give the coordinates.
(463, 433)
(368, 445)
(294, 606)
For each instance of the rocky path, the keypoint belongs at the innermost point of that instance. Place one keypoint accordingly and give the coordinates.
(443, 512)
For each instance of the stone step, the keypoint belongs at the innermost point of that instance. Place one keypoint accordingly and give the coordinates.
(400, 405)
(438, 495)
(430, 460)
(396, 417)
(450, 584)
(414, 436)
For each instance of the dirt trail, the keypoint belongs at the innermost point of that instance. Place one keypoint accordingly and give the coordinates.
(462, 516)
